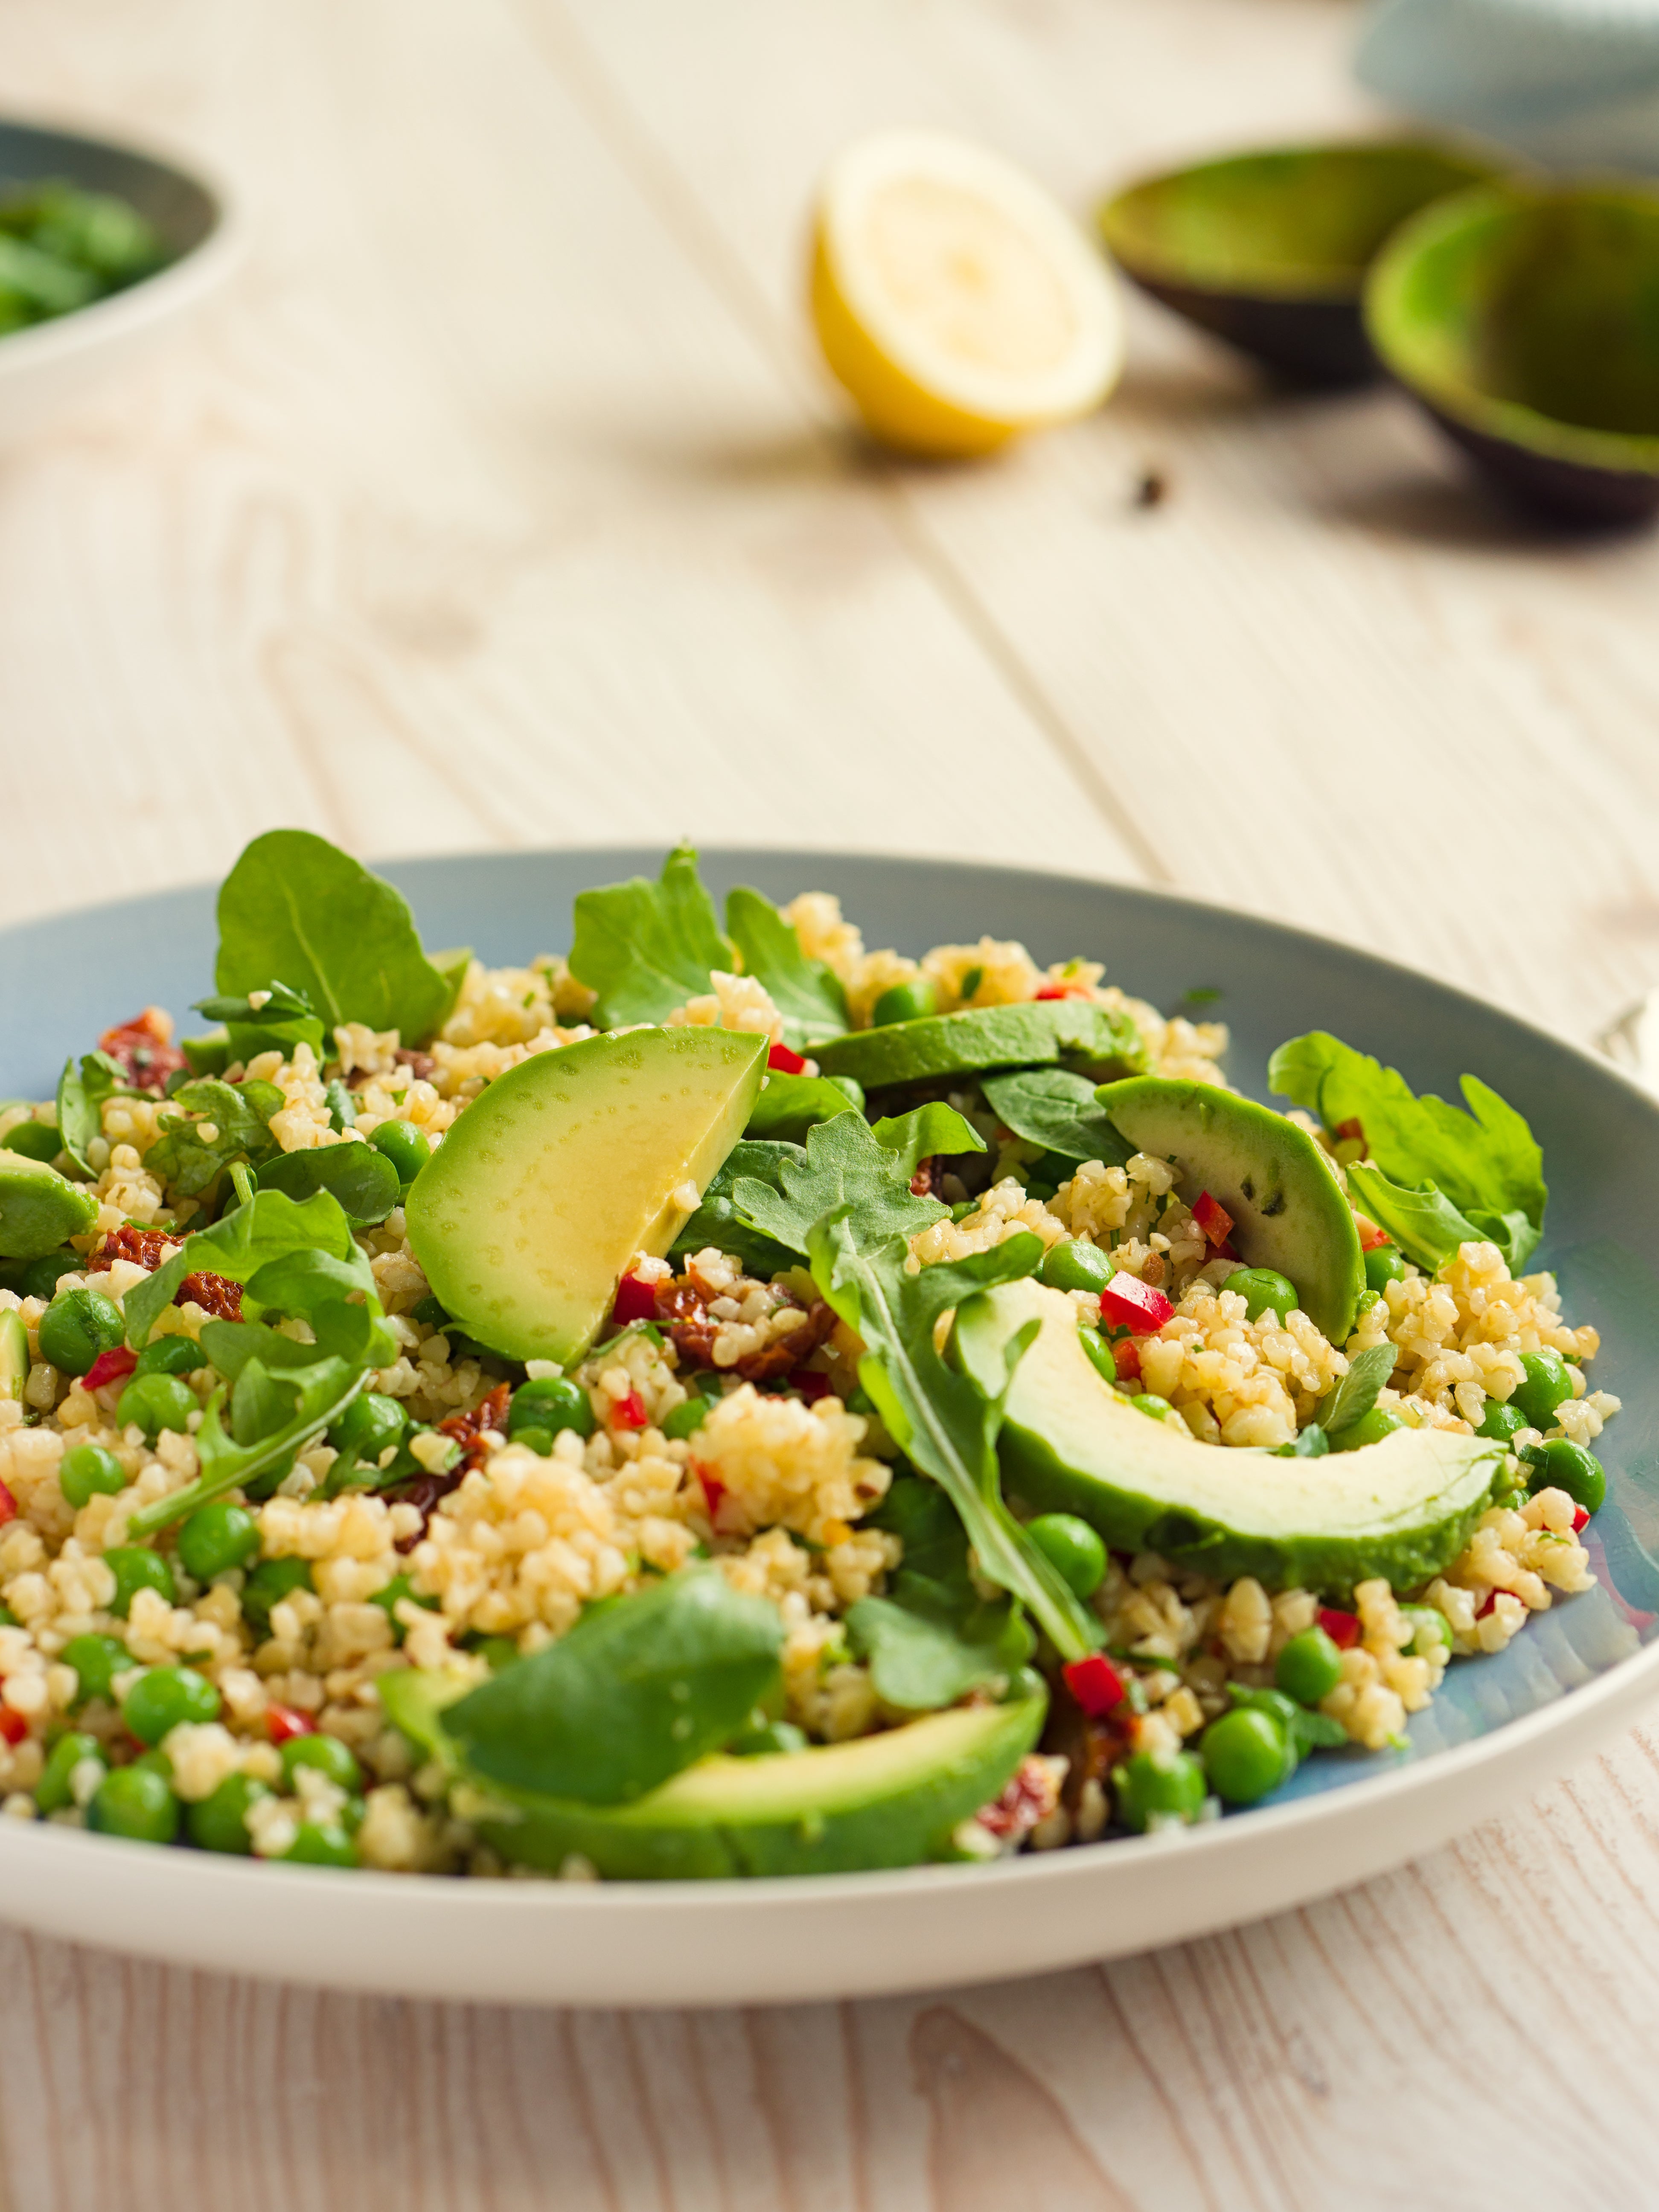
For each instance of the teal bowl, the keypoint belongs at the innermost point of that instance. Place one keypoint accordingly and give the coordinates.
(1498, 1725)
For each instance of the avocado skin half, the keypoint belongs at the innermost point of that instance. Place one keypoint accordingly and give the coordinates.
(1030, 1034)
(1402, 1509)
(884, 1801)
(1288, 1210)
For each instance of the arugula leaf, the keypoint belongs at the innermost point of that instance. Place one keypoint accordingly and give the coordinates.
(806, 993)
(933, 1638)
(943, 1418)
(646, 948)
(241, 1113)
(716, 1221)
(917, 1136)
(1486, 1164)
(641, 1687)
(452, 965)
(81, 1090)
(362, 1179)
(294, 905)
(846, 1163)
(229, 1346)
(790, 1105)
(1055, 1109)
(1310, 1443)
(1369, 1374)
(240, 1243)
(285, 1020)
(316, 1396)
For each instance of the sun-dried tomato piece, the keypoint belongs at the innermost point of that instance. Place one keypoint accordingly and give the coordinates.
(143, 1049)
(682, 1313)
(421, 1065)
(141, 1248)
(786, 1352)
(423, 1490)
(1030, 1796)
(928, 1172)
(215, 1294)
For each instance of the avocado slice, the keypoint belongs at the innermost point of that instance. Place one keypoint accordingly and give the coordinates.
(568, 1165)
(1289, 1213)
(1038, 1031)
(883, 1801)
(13, 1354)
(39, 1209)
(1071, 1443)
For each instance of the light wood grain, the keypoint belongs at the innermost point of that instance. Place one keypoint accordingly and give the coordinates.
(503, 502)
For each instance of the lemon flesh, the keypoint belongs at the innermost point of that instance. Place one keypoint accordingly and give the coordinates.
(956, 302)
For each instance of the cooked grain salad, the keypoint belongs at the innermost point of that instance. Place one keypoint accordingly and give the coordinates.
(724, 1401)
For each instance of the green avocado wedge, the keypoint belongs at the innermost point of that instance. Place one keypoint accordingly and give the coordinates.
(526, 1216)
(1402, 1509)
(892, 1800)
(1288, 1210)
(1039, 1032)
(39, 1209)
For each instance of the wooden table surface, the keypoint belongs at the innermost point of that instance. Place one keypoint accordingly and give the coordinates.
(501, 503)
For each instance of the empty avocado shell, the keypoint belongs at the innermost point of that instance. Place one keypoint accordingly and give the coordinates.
(1269, 250)
(1526, 319)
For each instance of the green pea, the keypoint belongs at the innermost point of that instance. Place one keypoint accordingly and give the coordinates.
(369, 1424)
(216, 1537)
(38, 1279)
(9, 1618)
(155, 1402)
(327, 1754)
(1155, 1409)
(270, 1581)
(407, 1148)
(1246, 1753)
(552, 1402)
(218, 1822)
(1370, 1429)
(1309, 1668)
(96, 1661)
(1098, 1353)
(88, 1469)
(154, 1762)
(137, 1802)
(1263, 1289)
(1501, 1422)
(1076, 1267)
(1384, 1264)
(540, 1441)
(398, 1588)
(316, 1845)
(1072, 1548)
(136, 1568)
(685, 1420)
(766, 1741)
(1560, 1464)
(913, 1001)
(77, 1327)
(1547, 1385)
(36, 1141)
(165, 1697)
(52, 1791)
(1158, 1787)
(169, 1355)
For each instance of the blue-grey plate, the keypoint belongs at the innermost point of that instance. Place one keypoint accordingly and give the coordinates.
(1570, 1678)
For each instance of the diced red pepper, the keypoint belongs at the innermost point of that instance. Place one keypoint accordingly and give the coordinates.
(1135, 1304)
(782, 1061)
(7, 1505)
(1214, 1218)
(637, 1300)
(713, 1490)
(1580, 1517)
(1342, 1628)
(1371, 1238)
(812, 1385)
(283, 1722)
(1095, 1683)
(1052, 991)
(13, 1725)
(111, 1367)
(1125, 1358)
(1489, 1604)
(1226, 1249)
(628, 1413)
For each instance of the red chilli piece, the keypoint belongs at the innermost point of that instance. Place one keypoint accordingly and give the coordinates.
(1214, 1218)
(1095, 1683)
(637, 1300)
(628, 1413)
(1125, 1358)
(215, 1294)
(143, 1049)
(7, 1505)
(1134, 1304)
(812, 1385)
(713, 1490)
(1580, 1517)
(1371, 1238)
(1342, 1628)
(283, 1722)
(13, 1725)
(111, 1367)
(781, 1062)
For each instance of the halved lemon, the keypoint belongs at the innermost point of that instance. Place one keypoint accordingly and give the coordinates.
(955, 301)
